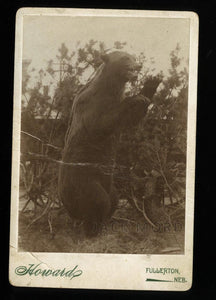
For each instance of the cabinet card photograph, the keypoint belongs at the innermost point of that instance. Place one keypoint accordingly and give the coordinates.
(103, 163)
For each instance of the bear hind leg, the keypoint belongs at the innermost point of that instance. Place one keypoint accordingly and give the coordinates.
(97, 209)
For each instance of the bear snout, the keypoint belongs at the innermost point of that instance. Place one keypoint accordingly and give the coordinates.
(133, 72)
(132, 75)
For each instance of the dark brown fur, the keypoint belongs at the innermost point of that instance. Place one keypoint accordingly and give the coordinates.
(98, 113)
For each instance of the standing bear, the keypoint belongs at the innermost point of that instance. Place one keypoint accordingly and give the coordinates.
(99, 113)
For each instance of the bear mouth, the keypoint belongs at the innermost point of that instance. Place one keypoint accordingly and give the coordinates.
(132, 72)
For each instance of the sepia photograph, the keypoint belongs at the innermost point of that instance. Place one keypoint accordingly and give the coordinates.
(103, 135)
(102, 141)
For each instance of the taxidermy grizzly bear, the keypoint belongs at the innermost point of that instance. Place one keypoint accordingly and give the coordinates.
(99, 113)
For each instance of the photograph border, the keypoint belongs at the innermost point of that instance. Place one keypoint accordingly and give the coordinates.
(121, 262)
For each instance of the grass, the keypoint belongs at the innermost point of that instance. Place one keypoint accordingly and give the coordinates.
(126, 233)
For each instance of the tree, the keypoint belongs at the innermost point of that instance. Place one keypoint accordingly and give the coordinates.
(155, 152)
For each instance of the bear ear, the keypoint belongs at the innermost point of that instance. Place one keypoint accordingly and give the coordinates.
(105, 58)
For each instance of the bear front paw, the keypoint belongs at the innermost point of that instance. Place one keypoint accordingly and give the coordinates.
(134, 109)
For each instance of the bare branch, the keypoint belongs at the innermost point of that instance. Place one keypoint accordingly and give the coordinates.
(41, 215)
(164, 176)
(37, 138)
(141, 210)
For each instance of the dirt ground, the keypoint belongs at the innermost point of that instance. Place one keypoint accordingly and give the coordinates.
(126, 232)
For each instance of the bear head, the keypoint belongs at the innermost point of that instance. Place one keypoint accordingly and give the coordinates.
(121, 65)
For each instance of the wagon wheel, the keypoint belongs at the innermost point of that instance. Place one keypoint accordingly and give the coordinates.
(31, 184)
(27, 177)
